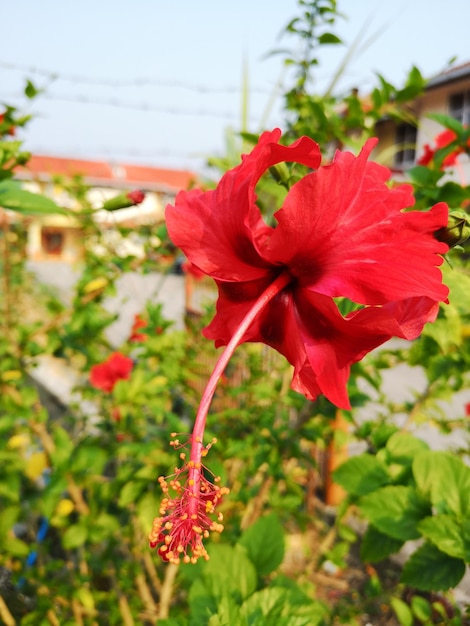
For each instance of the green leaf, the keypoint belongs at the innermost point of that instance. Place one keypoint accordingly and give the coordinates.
(147, 508)
(448, 535)
(402, 611)
(30, 90)
(130, 492)
(283, 607)
(74, 537)
(88, 458)
(228, 613)
(361, 475)
(326, 38)
(459, 284)
(445, 479)
(429, 569)
(264, 543)
(376, 546)
(448, 122)
(16, 547)
(421, 608)
(403, 447)
(423, 176)
(395, 511)
(229, 570)
(13, 197)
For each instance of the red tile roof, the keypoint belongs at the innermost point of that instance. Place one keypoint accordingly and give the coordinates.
(108, 174)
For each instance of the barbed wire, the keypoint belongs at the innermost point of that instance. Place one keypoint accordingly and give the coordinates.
(134, 106)
(134, 82)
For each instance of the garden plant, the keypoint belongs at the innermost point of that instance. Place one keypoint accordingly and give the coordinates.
(187, 481)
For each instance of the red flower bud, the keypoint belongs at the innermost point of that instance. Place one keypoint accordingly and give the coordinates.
(137, 196)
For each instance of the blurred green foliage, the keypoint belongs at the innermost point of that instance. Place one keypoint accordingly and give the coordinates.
(78, 483)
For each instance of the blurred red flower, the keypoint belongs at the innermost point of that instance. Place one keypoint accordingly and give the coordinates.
(139, 323)
(10, 129)
(342, 232)
(442, 141)
(105, 375)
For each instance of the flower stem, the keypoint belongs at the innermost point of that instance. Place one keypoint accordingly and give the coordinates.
(198, 431)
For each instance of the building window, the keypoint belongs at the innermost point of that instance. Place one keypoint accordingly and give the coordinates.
(405, 140)
(52, 241)
(459, 107)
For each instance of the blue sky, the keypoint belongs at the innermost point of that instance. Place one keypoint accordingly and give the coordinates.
(158, 82)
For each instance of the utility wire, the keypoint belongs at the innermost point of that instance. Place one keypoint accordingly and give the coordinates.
(135, 82)
(134, 106)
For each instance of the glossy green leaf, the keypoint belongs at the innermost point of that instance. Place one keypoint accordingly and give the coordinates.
(376, 546)
(403, 447)
(395, 511)
(445, 479)
(448, 122)
(448, 535)
(421, 608)
(402, 611)
(13, 197)
(264, 543)
(361, 475)
(229, 569)
(429, 569)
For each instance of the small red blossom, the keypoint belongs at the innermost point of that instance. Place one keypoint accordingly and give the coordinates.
(187, 518)
(11, 130)
(137, 196)
(428, 155)
(139, 323)
(342, 232)
(467, 409)
(105, 375)
(442, 141)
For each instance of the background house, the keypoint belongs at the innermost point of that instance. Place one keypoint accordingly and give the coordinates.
(447, 93)
(58, 237)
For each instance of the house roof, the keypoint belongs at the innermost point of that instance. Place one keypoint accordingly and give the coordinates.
(108, 174)
(449, 76)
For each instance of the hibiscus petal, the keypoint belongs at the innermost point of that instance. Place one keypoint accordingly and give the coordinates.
(219, 230)
(342, 232)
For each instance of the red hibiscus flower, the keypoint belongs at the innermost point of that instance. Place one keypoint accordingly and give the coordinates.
(442, 141)
(139, 323)
(342, 232)
(105, 375)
